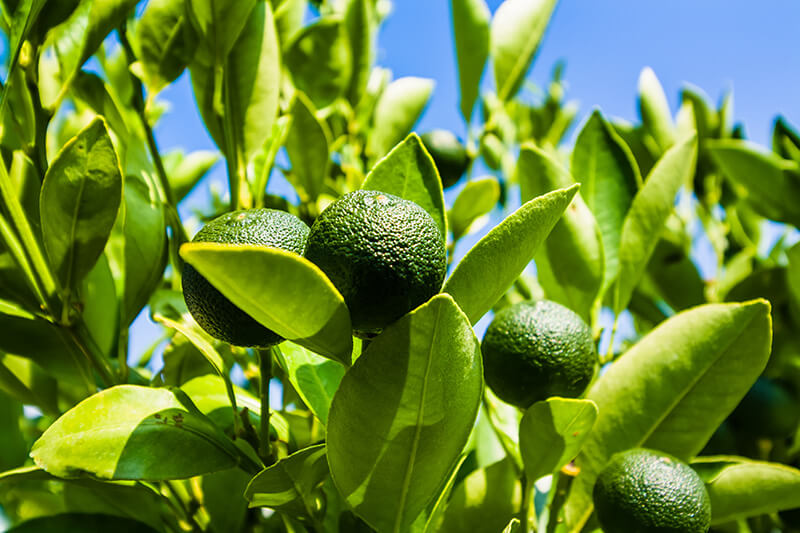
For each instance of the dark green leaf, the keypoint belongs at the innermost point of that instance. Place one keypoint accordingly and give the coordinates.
(741, 488)
(314, 378)
(570, 264)
(492, 265)
(358, 19)
(220, 22)
(311, 313)
(164, 42)
(487, 499)
(19, 122)
(403, 413)
(132, 432)
(307, 146)
(552, 433)
(99, 304)
(82, 523)
(223, 498)
(320, 62)
(770, 184)
(476, 199)
(517, 29)
(785, 139)
(408, 171)
(24, 380)
(648, 215)
(92, 90)
(290, 484)
(397, 110)
(687, 375)
(185, 171)
(609, 178)
(471, 33)
(81, 194)
(13, 448)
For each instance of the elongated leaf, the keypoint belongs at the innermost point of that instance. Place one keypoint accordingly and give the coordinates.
(517, 29)
(185, 171)
(476, 199)
(220, 22)
(13, 447)
(81, 194)
(91, 90)
(408, 171)
(471, 32)
(570, 264)
(314, 378)
(740, 487)
(72, 42)
(283, 291)
(222, 498)
(492, 265)
(397, 110)
(552, 433)
(770, 184)
(82, 523)
(648, 215)
(320, 60)
(289, 485)
(785, 139)
(307, 145)
(252, 78)
(23, 19)
(132, 432)
(165, 42)
(144, 231)
(403, 413)
(433, 519)
(487, 499)
(654, 109)
(687, 375)
(609, 178)
(360, 25)
(26, 381)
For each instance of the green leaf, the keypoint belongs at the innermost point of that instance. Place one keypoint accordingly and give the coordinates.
(408, 171)
(184, 171)
(609, 177)
(165, 42)
(396, 112)
(686, 377)
(654, 110)
(403, 413)
(487, 499)
(307, 146)
(19, 122)
(476, 199)
(514, 526)
(283, 291)
(100, 311)
(552, 433)
(785, 139)
(517, 29)
(145, 243)
(492, 265)
(770, 185)
(222, 498)
(82, 523)
(741, 488)
(93, 92)
(252, 78)
(290, 485)
(471, 33)
(23, 18)
(26, 381)
(314, 378)
(570, 264)
(13, 448)
(72, 42)
(319, 59)
(220, 22)
(81, 194)
(648, 215)
(431, 522)
(358, 20)
(132, 432)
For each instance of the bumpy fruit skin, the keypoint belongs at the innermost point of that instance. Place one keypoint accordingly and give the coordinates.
(384, 254)
(213, 311)
(646, 491)
(535, 350)
(448, 154)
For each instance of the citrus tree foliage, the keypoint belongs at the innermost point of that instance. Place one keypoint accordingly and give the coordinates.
(397, 432)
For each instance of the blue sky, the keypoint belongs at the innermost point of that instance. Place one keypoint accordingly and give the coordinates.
(713, 44)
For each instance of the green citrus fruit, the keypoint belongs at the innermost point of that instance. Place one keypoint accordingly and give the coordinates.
(384, 254)
(448, 154)
(213, 311)
(768, 410)
(645, 491)
(535, 350)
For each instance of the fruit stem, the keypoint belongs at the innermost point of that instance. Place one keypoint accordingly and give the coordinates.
(561, 488)
(265, 445)
(527, 512)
